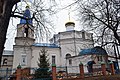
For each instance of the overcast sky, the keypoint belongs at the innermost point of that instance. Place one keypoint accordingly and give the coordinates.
(59, 21)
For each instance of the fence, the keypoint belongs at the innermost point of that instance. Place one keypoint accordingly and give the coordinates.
(98, 72)
(6, 73)
(65, 73)
(20, 74)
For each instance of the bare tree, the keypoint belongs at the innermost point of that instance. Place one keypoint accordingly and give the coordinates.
(39, 12)
(102, 17)
(5, 14)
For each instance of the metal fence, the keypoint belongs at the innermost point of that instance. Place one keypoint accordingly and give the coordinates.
(67, 71)
(74, 71)
(61, 72)
(33, 70)
(6, 73)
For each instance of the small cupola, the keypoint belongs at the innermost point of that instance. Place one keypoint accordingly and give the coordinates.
(26, 15)
(25, 28)
(69, 26)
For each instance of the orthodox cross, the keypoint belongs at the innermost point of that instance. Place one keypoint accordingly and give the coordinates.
(69, 13)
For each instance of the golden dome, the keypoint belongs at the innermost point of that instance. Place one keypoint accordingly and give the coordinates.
(69, 23)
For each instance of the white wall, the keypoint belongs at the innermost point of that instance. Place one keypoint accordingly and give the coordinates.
(18, 52)
(74, 67)
(72, 42)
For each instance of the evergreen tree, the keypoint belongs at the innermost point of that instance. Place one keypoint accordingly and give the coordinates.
(43, 64)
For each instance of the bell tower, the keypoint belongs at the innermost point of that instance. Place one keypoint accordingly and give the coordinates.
(23, 41)
(25, 30)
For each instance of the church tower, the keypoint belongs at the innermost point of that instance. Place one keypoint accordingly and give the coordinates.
(23, 41)
(25, 30)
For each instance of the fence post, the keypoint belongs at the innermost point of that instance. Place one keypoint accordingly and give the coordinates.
(112, 68)
(6, 73)
(18, 73)
(54, 72)
(103, 67)
(81, 70)
(66, 71)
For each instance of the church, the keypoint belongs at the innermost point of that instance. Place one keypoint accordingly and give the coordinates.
(62, 45)
(66, 49)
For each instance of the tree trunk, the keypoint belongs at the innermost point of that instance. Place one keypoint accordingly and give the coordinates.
(5, 14)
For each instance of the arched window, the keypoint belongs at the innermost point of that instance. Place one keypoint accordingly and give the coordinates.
(53, 60)
(5, 61)
(68, 55)
(99, 58)
(26, 30)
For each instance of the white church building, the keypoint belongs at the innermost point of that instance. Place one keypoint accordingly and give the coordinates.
(63, 45)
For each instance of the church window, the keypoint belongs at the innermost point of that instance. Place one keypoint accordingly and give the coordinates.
(53, 59)
(5, 61)
(26, 30)
(23, 59)
(83, 35)
(68, 55)
(99, 58)
(70, 61)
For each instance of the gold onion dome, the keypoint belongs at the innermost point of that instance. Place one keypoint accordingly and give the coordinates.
(70, 23)
(27, 7)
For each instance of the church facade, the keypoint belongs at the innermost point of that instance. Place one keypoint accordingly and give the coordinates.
(61, 46)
